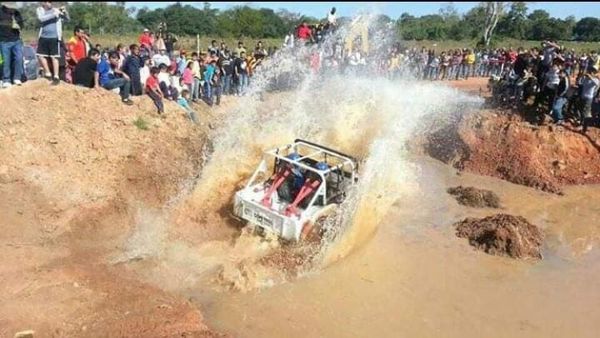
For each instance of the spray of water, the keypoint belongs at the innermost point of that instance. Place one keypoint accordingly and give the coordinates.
(369, 117)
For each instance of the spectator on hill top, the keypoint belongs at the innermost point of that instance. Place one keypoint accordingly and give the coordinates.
(170, 41)
(11, 45)
(161, 58)
(50, 36)
(145, 40)
(561, 97)
(111, 77)
(227, 70)
(589, 91)
(122, 51)
(260, 52)
(132, 67)
(188, 76)
(217, 85)
(145, 72)
(197, 77)
(85, 72)
(78, 46)
(240, 69)
(331, 18)
(209, 71)
(240, 48)
(164, 83)
(304, 33)
(213, 47)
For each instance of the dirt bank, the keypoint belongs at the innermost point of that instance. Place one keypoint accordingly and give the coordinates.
(75, 172)
(502, 235)
(504, 145)
(476, 198)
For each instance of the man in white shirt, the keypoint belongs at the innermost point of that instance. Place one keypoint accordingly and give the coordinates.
(161, 58)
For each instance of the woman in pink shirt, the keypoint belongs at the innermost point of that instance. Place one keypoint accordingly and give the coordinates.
(188, 76)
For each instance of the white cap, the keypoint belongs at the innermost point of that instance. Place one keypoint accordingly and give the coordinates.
(146, 30)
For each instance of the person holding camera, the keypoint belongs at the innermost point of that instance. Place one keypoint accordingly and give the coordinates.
(50, 37)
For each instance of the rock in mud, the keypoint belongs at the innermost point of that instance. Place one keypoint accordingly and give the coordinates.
(476, 198)
(503, 235)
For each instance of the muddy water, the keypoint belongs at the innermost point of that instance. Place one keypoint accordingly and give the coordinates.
(414, 278)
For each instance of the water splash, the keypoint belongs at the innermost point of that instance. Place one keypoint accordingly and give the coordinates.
(365, 116)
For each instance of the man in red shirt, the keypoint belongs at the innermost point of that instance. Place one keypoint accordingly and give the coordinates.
(146, 40)
(304, 32)
(78, 48)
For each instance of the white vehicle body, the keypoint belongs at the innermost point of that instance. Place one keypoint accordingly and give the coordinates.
(261, 204)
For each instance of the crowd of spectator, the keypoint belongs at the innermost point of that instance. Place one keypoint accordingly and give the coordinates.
(560, 80)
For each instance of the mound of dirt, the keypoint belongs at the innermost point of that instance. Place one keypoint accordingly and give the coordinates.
(476, 198)
(502, 144)
(76, 166)
(502, 235)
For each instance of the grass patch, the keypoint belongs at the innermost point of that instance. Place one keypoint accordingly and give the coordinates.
(141, 123)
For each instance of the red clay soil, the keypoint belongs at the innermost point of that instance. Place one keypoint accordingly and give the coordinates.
(74, 170)
(503, 235)
(503, 144)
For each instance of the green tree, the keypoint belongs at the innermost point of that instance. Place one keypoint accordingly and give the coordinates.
(587, 29)
(514, 24)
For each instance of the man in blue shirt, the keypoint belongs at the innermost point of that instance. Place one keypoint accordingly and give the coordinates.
(111, 77)
(208, 75)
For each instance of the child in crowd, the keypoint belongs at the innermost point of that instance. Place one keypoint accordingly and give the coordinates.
(153, 90)
(183, 101)
(145, 72)
(188, 77)
(164, 83)
(217, 85)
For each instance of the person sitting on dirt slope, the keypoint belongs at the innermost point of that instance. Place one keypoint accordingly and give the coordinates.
(183, 101)
(111, 77)
(153, 90)
(164, 83)
(85, 73)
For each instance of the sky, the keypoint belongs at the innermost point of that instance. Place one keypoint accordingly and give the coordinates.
(392, 9)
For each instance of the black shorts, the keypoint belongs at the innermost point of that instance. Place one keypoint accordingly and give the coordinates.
(48, 47)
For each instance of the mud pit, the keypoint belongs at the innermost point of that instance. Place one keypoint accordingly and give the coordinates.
(476, 198)
(503, 235)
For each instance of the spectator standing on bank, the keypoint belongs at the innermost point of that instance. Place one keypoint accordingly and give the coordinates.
(50, 37)
(132, 67)
(11, 45)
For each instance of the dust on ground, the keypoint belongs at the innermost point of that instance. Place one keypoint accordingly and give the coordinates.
(503, 235)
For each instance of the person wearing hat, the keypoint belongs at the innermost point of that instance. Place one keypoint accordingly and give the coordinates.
(11, 45)
(146, 40)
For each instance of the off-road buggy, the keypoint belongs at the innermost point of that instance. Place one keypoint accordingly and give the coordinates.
(295, 187)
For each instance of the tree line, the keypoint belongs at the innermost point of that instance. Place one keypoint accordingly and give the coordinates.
(513, 21)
